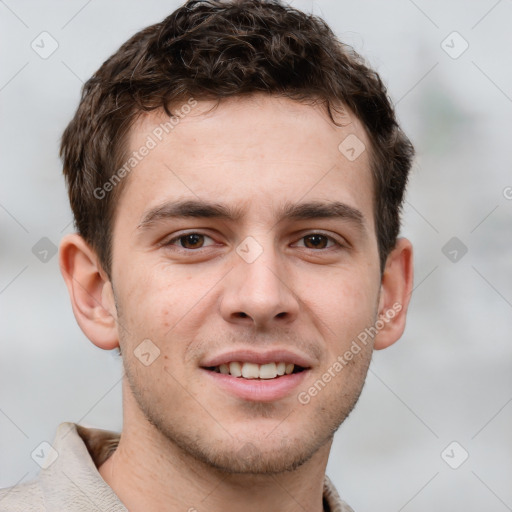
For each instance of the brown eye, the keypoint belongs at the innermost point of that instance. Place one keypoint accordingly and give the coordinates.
(191, 241)
(316, 241)
(188, 241)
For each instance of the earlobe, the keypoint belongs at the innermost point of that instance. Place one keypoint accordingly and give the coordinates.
(90, 292)
(396, 289)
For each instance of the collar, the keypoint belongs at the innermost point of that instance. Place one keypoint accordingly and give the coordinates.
(73, 478)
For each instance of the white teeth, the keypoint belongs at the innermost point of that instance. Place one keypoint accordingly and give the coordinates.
(255, 371)
(250, 371)
(235, 369)
(268, 371)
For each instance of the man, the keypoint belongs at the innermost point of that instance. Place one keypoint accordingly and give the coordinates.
(236, 176)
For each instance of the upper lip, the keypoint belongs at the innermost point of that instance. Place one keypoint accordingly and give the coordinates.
(251, 356)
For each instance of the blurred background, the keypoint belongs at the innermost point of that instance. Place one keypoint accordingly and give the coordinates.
(433, 427)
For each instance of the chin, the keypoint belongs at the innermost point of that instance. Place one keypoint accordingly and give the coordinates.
(254, 458)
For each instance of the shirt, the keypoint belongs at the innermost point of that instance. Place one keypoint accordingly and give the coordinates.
(70, 481)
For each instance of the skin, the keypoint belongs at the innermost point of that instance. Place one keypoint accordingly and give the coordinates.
(187, 444)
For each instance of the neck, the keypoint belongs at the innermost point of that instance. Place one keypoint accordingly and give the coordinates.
(148, 472)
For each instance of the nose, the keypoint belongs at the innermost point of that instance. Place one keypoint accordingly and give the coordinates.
(260, 292)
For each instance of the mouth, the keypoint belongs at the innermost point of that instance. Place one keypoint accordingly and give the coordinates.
(256, 376)
(248, 370)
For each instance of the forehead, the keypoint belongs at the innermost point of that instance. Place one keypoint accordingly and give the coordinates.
(253, 150)
(247, 121)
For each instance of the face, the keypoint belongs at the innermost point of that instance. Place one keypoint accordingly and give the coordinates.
(244, 242)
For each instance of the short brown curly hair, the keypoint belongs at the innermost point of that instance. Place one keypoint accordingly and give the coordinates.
(210, 49)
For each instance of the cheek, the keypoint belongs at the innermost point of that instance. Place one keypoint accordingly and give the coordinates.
(149, 304)
(159, 302)
(345, 300)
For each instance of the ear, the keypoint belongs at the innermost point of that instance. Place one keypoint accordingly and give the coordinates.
(90, 290)
(395, 294)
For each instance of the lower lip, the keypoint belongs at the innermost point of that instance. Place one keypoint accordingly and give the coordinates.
(260, 390)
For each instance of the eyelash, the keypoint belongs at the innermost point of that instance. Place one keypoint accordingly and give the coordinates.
(338, 245)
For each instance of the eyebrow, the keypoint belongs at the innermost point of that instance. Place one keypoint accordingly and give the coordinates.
(212, 210)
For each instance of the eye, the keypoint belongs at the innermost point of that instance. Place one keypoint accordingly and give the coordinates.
(319, 241)
(189, 241)
(193, 241)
